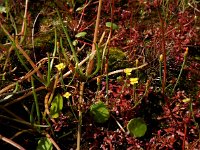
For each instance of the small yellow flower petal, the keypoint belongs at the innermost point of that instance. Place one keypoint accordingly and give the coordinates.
(67, 95)
(186, 100)
(133, 80)
(60, 66)
(128, 71)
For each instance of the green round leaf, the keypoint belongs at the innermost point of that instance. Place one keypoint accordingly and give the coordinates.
(100, 112)
(81, 34)
(56, 106)
(44, 144)
(137, 127)
(113, 25)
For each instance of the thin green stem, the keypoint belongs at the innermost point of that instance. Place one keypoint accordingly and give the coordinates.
(193, 117)
(68, 38)
(15, 44)
(31, 114)
(36, 101)
(160, 71)
(48, 71)
(182, 67)
(54, 51)
(80, 116)
(64, 52)
(107, 88)
(136, 65)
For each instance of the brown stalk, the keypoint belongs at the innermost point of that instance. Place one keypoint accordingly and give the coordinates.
(11, 142)
(53, 142)
(90, 65)
(24, 96)
(49, 96)
(24, 19)
(118, 71)
(80, 116)
(46, 105)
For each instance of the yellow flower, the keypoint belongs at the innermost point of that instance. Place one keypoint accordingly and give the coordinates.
(128, 71)
(60, 66)
(186, 100)
(67, 95)
(133, 80)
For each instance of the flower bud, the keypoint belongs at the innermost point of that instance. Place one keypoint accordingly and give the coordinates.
(98, 80)
(161, 58)
(136, 62)
(186, 52)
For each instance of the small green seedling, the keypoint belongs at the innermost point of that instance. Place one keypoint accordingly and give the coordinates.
(137, 127)
(100, 112)
(112, 25)
(44, 144)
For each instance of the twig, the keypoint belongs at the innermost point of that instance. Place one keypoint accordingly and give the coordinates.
(11, 113)
(194, 7)
(28, 75)
(13, 93)
(24, 96)
(53, 142)
(80, 64)
(25, 15)
(21, 132)
(11, 142)
(33, 30)
(118, 124)
(119, 71)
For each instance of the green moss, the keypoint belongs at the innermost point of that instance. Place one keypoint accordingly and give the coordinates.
(117, 59)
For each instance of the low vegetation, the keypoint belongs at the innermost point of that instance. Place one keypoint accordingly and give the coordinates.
(86, 74)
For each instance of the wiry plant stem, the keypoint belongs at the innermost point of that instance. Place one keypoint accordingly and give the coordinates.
(9, 141)
(185, 56)
(162, 23)
(80, 116)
